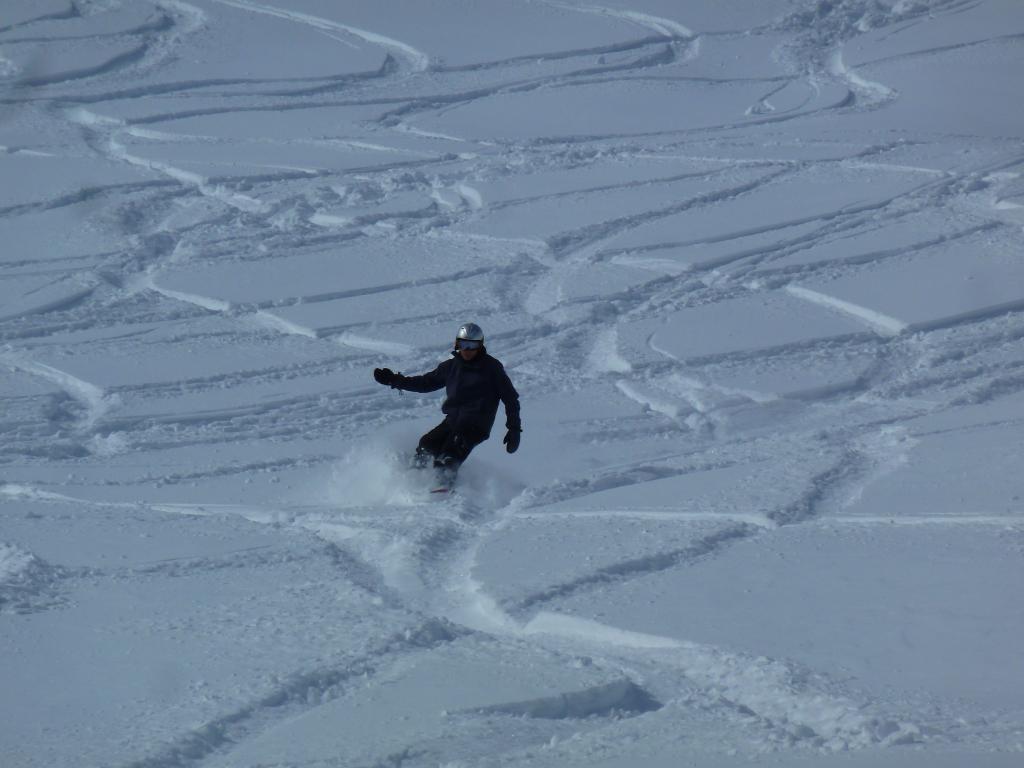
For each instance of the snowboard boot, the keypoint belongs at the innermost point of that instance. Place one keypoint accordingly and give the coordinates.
(422, 459)
(446, 467)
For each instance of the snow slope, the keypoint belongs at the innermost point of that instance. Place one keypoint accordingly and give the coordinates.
(755, 269)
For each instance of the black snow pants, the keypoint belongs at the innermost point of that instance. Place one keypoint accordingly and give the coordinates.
(447, 446)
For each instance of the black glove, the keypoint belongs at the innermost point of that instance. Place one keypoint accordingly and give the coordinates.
(384, 376)
(511, 440)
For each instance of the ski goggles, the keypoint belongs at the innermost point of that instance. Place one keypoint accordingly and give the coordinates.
(468, 344)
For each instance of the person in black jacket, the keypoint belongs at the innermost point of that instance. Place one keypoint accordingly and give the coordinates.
(474, 383)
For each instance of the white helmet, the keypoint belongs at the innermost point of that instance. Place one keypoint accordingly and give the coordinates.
(470, 332)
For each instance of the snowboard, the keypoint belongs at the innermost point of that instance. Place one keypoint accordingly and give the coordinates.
(440, 482)
(444, 482)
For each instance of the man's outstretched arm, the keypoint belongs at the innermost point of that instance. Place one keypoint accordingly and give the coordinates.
(428, 382)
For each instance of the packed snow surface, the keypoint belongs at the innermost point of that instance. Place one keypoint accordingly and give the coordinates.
(755, 268)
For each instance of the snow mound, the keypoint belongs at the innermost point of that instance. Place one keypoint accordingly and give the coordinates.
(14, 563)
(26, 582)
(619, 697)
(376, 474)
(379, 474)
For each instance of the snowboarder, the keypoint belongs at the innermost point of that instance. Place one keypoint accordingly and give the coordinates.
(474, 383)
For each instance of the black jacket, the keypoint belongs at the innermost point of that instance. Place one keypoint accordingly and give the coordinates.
(473, 388)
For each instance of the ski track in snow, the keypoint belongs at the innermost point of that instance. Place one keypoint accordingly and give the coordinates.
(94, 401)
(417, 60)
(272, 388)
(669, 28)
